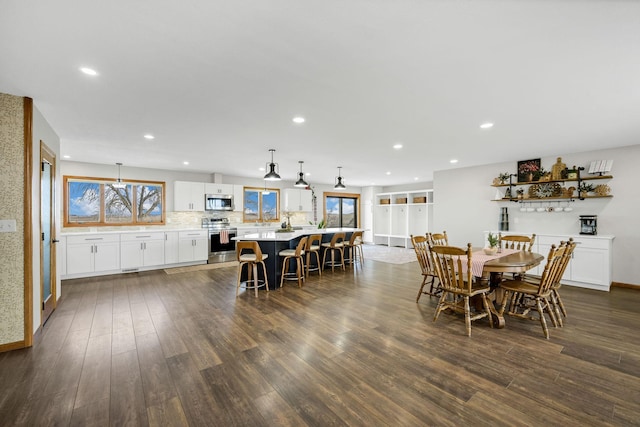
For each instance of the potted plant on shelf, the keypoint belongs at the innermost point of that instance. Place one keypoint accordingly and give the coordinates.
(493, 242)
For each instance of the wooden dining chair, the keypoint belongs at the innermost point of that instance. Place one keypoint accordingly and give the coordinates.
(423, 254)
(537, 295)
(516, 241)
(438, 239)
(453, 267)
(555, 288)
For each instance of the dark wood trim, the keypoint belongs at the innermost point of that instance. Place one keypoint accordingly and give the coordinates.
(28, 227)
(12, 346)
(624, 285)
(46, 154)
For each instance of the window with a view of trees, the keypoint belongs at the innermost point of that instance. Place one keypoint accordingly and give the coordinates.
(262, 205)
(341, 210)
(100, 202)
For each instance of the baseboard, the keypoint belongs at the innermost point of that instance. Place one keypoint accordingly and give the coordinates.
(625, 285)
(11, 346)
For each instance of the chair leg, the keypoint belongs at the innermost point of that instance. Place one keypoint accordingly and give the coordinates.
(440, 306)
(240, 267)
(424, 282)
(342, 258)
(264, 272)
(255, 278)
(485, 302)
(467, 315)
(285, 265)
(560, 303)
(300, 271)
(543, 322)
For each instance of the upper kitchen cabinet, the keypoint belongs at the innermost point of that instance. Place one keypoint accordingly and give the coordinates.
(211, 188)
(188, 196)
(238, 198)
(297, 200)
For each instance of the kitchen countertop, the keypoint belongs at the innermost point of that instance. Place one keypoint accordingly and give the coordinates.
(270, 235)
(131, 230)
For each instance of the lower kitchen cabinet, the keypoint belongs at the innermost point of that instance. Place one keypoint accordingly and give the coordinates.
(92, 253)
(141, 250)
(171, 247)
(193, 246)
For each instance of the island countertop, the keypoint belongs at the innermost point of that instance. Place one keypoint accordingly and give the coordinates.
(277, 236)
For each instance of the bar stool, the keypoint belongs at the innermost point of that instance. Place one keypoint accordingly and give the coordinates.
(249, 253)
(313, 248)
(336, 245)
(296, 253)
(354, 248)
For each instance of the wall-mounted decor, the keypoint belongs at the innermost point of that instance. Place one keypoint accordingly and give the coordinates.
(527, 168)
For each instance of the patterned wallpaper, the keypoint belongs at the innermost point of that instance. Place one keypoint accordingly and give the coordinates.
(12, 207)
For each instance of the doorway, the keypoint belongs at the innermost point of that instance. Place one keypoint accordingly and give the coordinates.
(48, 230)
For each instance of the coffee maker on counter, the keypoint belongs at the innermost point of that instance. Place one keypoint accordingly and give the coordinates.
(589, 224)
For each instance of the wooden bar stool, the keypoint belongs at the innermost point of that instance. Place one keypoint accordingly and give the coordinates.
(296, 253)
(336, 245)
(354, 248)
(249, 253)
(313, 248)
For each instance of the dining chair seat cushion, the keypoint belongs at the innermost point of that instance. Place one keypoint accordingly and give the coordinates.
(314, 248)
(289, 252)
(252, 257)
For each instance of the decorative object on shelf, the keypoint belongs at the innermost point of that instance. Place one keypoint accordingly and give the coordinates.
(572, 173)
(585, 188)
(503, 177)
(339, 185)
(600, 166)
(568, 192)
(272, 175)
(541, 175)
(419, 200)
(492, 240)
(602, 190)
(526, 169)
(401, 201)
(385, 201)
(520, 193)
(507, 194)
(542, 191)
(557, 169)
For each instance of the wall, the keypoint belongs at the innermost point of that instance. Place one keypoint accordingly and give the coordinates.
(463, 207)
(12, 273)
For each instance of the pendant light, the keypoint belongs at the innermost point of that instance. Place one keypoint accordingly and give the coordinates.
(272, 175)
(301, 182)
(119, 183)
(339, 185)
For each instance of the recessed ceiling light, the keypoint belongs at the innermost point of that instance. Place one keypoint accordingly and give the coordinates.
(89, 71)
(308, 173)
(261, 169)
(415, 178)
(453, 161)
(185, 163)
(149, 136)
(388, 172)
(298, 120)
(487, 125)
(66, 156)
(397, 146)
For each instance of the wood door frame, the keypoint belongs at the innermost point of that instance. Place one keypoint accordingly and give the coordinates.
(46, 154)
(356, 196)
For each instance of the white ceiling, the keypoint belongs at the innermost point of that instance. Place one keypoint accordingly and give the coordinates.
(218, 82)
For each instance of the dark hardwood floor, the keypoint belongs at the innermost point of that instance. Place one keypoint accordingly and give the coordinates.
(348, 348)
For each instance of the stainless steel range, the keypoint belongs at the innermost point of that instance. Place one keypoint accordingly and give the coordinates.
(222, 247)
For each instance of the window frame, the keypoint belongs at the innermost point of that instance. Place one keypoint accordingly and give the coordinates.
(260, 190)
(102, 214)
(341, 195)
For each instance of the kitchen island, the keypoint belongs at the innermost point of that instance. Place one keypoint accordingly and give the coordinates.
(272, 242)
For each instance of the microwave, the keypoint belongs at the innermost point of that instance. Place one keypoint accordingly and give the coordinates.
(218, 202)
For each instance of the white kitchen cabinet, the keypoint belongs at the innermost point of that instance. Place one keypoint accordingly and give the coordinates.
(141, 250)
(238, 198)
(398, 215)
(61, 247)
(211, 188)
(193, 246)
(171, 247)
(298, 200)
(188, 196)
(92, 253)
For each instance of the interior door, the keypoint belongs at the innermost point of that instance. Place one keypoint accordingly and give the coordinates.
(47, 228)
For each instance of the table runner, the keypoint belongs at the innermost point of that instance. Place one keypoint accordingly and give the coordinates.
(478, 258)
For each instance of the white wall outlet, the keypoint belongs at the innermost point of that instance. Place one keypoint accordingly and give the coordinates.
(7, 225)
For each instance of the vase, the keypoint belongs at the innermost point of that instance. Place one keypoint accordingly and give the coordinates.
(491, 251)
(530, 177)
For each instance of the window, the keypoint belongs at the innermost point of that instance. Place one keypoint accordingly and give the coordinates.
(261, 204)
(97, 202)
(341, 210)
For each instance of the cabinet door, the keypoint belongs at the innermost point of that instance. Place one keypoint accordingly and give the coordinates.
(154, 252)
(238, 198)
(211, 188)
(201, 249)
(107, 256)
(188, 196)
(171, 247)
(131, 254)
(590, 266)
(185, 250)
(306, 201)
(79, 258)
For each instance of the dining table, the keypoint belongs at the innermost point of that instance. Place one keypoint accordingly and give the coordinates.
(488, 268)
